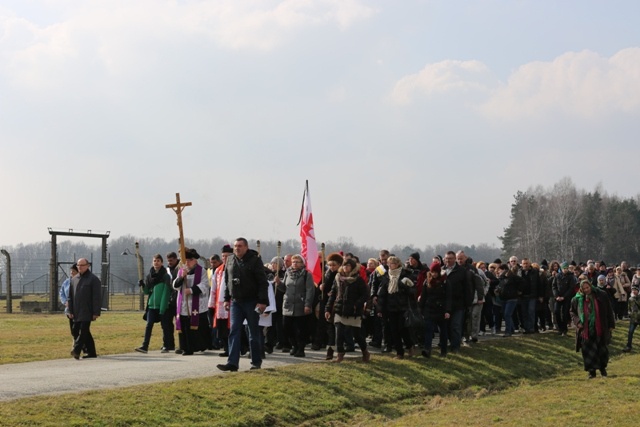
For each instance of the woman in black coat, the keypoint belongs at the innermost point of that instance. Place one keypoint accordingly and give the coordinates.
(326, 332)
(396, 289)
(346, 303)
(433, 301)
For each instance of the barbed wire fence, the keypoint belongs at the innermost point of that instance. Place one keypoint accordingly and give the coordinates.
(30, 282)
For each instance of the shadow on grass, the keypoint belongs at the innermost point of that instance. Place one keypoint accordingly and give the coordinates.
(489, 366)
(315, 394)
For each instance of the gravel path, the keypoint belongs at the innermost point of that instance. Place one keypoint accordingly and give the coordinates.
(19, 380)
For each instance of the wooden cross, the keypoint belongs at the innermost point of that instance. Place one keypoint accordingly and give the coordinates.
(178, 208)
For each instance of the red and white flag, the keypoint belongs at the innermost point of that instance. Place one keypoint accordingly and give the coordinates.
(308, 238)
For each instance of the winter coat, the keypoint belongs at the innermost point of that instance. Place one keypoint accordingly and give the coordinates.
(160, 293)
(299, 293)
(460, 281)
(510, 286)
(246, 279)
(347, 297)
(564, 285)
(329, 277)
(545, 284)
(530, 283)
(607, 321)
(85, 297)
(418, 275)
(634, 309)
(434, 299)
(619, 283)
(375, 280)
(397, 301)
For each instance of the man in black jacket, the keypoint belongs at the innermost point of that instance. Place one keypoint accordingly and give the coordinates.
(85, 302)
(173, 265)
(531, 288)
(563, 287)
(246, 296)
(380, 329)
(457, 279)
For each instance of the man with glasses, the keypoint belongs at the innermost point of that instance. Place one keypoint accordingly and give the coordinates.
(85, 300)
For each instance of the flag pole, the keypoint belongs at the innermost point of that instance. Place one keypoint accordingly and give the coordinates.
(304, 196)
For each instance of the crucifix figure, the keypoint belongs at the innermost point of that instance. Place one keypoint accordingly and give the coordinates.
(178, 208)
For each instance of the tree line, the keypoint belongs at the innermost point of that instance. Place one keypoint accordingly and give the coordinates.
(30, 262)
(564, 223)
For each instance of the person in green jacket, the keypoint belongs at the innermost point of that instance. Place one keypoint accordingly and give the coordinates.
(158, 287)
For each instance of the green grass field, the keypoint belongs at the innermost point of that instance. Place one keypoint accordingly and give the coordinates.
(33, 337)
(529, 380)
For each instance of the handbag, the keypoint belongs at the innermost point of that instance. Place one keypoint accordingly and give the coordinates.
(412, 316)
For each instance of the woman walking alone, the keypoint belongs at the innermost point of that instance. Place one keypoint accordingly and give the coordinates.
(592, 314)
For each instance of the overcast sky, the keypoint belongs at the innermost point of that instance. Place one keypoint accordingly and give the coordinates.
(415, 122)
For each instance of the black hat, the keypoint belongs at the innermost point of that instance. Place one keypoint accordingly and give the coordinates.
(415, 256)
(497, 261)
(191, 254)
(226, 249)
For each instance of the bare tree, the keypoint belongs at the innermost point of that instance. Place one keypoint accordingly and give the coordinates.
(563, 211)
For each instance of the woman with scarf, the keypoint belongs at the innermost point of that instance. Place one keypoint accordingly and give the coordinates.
(158, 287)
(592, 314)
(193, 295)
(346, 302)
(396, 288)
(297, 305)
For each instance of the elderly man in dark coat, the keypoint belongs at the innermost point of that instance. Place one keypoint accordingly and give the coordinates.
(84, 307)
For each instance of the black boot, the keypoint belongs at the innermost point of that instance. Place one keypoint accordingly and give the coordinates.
(329, 354)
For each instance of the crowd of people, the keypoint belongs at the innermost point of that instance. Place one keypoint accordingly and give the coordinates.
(240, 305)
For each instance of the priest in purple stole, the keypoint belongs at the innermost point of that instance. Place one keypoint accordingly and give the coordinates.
(193, 295)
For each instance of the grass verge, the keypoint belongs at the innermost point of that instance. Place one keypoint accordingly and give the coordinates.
(519, 381)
